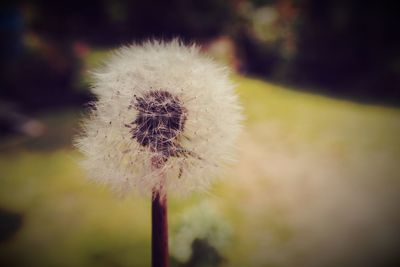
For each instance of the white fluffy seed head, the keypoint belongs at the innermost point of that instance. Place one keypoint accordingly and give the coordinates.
(166, 118)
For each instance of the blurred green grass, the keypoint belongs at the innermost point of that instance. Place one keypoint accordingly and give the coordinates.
(68, 221)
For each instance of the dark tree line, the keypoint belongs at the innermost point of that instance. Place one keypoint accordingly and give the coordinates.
(350, 47)
(344, 48)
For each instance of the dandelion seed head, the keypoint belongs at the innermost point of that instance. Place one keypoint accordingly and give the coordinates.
(166, 118)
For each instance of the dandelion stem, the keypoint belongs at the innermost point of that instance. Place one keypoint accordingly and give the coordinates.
(159, 230)
(159, 219)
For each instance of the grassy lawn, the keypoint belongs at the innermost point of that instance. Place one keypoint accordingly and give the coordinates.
(316, 184)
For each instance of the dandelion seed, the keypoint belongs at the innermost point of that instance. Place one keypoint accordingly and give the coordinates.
(159, 100)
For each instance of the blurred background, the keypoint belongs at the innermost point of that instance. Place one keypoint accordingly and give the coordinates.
(317, 182)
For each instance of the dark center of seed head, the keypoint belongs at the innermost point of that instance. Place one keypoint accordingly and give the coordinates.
(159, 122)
